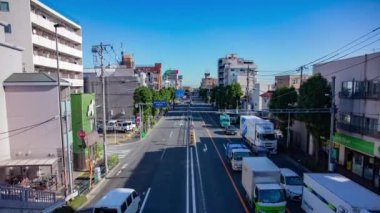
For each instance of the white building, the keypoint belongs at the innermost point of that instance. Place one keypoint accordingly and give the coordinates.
(257, 100)
(31, 25)
(10, 62)
(357, 140)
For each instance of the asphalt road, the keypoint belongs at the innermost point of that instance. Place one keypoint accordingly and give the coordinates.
(172, 176)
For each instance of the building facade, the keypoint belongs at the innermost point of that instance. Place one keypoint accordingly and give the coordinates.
(153, 75)
(170, 78)
(31, 26)
(10, 62)
(208, 82)
(357, 137)
(120, 85)
(232, 69)
(289, 81)
(40, 144)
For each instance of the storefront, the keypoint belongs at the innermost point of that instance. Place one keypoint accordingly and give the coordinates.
(360, 159)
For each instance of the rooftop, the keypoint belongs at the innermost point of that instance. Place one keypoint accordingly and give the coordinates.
(114, 198)
(33, 78)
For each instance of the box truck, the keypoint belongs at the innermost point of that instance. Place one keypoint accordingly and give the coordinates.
(332, 192)
(261, 182)
(258, 133)
(224, 120)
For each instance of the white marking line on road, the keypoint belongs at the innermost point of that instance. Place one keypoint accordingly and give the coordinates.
(200, 178)
(144, 202)
(205, 148)
(171, 134)
(163, 153)
(187, 175)
(224, 145)
(118, 173)
(124, 166)
(193, 182)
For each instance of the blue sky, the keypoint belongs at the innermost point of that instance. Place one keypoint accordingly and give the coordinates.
(191, 35)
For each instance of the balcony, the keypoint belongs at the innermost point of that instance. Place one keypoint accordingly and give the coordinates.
(74, 82)
(359, 95)
(49, 25)
(47, 43)
(358, 129)
(52, 63)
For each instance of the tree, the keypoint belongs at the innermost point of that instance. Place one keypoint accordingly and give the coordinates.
(234, 95)
(313, 94)
(283, 98)
(143, 95)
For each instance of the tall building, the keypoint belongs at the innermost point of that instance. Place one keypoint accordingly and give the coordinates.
(170, 78)
(10, 62)
(357, 137)
(127, 60)
(232, 69)
(208, 82)
(153, 75)
(289, 81)
(31, 26)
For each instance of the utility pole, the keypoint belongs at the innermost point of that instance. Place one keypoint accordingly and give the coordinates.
(288, 132)
(332, 119)
(99, 49)
(247, 91)
(301, 73)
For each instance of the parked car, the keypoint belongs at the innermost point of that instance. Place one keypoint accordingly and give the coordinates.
(119, 200)
(292, 184)
(111, 125)
(230, 130)
(125, 126)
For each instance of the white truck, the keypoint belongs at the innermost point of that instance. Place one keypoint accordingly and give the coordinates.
(235, 152)
(331, 192)
(261, 182)
(258, 133)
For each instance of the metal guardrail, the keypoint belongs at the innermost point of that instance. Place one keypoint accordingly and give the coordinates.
(26, 195)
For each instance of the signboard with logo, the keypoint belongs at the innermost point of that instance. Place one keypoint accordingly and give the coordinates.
(179, 93)
(159, 104)
(354, 143)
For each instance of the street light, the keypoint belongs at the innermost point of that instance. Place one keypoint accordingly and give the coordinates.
(56, 26)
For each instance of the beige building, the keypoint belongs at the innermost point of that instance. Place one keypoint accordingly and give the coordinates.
(208, 82)
(357, 137)
(31, 26)
(289, 81)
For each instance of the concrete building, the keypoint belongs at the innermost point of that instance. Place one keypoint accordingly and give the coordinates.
(127, 61)
(257, 99)
(289, 81)
(120, 84)
(170, 78)
(180, 81)
(37, 148)
(232, 69)
(357, 137)
(31, 25)
(208, 82)
(153, 75)
(10, 62)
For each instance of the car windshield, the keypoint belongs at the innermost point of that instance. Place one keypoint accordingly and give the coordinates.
(267, 136)
(294, 180)
(105, 210)
(239, 155)
(271, 196)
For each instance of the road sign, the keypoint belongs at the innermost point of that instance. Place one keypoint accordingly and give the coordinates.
(159, 104)
(179, 93)
(81, 134)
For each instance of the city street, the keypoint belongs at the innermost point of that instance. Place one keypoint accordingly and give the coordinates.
(174, 177)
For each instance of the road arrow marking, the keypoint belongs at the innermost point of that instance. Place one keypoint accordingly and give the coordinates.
(205, 148)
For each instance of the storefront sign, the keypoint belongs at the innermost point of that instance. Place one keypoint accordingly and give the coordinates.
(354, 143)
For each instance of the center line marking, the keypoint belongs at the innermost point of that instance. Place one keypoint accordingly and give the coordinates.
(171, 134)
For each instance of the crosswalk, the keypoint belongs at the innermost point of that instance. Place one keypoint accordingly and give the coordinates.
(120, 153)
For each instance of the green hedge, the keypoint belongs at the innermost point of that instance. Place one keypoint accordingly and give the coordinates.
(113, 160)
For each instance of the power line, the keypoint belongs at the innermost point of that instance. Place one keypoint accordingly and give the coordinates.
(32, 125)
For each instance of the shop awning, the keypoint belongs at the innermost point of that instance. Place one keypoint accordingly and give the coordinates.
(28, 162)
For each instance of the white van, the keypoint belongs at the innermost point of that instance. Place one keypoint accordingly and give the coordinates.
(119, 200)
(292, 184)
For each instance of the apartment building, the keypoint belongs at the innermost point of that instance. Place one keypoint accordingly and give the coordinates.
(289, 81)
(10, 62)
(357, 137)
(31, 26)
(153, 75)
(170, 78)
(208, 82)
(232, 69)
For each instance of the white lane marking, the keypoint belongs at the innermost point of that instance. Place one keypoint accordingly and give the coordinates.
(224, 145)
(171, 134)
(193, 182)
(163, 153)
(205, 148)
(187, 175)
(124, 166)
(145, 198)
(200, 178)
(118, 173)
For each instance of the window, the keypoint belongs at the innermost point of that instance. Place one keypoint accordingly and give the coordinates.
(134, 194)
(8, 28)
(282, 179)
(129, 200)
(123, 207)
(4, 6)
